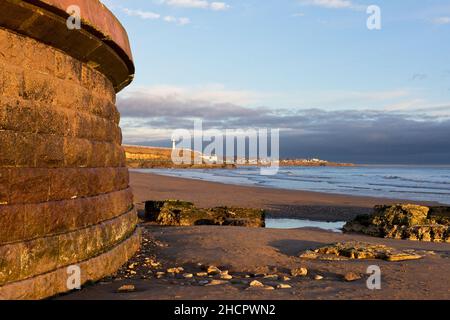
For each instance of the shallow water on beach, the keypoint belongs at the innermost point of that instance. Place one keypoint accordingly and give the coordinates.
(419, 183)
(296, 223)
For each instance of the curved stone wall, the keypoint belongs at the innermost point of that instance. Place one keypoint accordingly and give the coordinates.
(64, 190)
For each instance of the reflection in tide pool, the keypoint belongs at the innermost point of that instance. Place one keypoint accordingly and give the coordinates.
(295, 223)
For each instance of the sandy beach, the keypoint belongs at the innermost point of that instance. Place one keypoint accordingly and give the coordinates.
(258, 252)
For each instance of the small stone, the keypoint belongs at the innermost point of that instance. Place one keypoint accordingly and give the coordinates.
(159, 275)
(131, 266)
(226, 276)
(318, 277)
(269, 288)
(212, 270)
(299, 272)
(309, 255)
(283, 286)
(132, 272)
(175, 270)
(351, 276)
(188, 275)
(201, 274)
(126, 288)
(203, 282)
(271, 277)
(286, 278)
(217, 283)
(256, 284)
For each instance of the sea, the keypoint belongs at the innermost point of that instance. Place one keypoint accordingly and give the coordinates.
(405, 182)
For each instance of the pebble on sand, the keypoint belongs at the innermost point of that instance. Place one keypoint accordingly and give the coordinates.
(126, 288)
(299, 272)
(216, 283)
(201, 274)
(284, 286)
(212, 270)
(175, 270)
(351, 276)
(226, 276)
(256, 284)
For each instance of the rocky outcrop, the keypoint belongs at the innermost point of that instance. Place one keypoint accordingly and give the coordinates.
(64, 187)
(360, 250)
(404, 221)
(182, 213)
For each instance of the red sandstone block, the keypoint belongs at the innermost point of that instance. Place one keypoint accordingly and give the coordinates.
(38, 87)
(25, 143)
(72, 156)
(11, 81)
(49, 151)
(34, 220)
(8, 149)
(64, 184)
(12, 222)
(38, 256)
(4, 186)
(49, 120)
(28, 186)
(15, 116)
(67, 68)
(10, 262)
(60, 216)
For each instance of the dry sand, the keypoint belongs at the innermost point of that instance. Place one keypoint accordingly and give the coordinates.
(243, 250)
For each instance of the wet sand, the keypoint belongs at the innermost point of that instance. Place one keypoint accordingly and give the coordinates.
(245, 251)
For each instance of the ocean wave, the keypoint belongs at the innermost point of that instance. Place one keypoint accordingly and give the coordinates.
(416, 180)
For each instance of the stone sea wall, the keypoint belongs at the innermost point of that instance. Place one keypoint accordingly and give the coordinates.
(64, 186)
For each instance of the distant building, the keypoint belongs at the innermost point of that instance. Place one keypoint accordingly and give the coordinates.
(210, 159)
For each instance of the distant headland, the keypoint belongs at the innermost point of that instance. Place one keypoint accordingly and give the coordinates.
(144, 157)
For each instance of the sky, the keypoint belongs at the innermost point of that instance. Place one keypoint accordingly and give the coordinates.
(311, 68)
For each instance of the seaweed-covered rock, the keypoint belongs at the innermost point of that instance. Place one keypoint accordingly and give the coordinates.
(182, 213)
(408, 221)
(361, 250)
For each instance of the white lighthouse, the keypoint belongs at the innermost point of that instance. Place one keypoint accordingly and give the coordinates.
(174, 144)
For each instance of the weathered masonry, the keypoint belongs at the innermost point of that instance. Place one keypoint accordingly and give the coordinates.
(64, 190)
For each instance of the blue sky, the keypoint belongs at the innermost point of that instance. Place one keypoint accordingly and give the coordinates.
(283, 57)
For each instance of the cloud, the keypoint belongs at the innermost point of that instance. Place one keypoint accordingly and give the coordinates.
(364, 136)
(180, 21)
(146, 15)
(330, 4)
(149, 15)
(219, 6)
(197, 4)
(441, 20)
